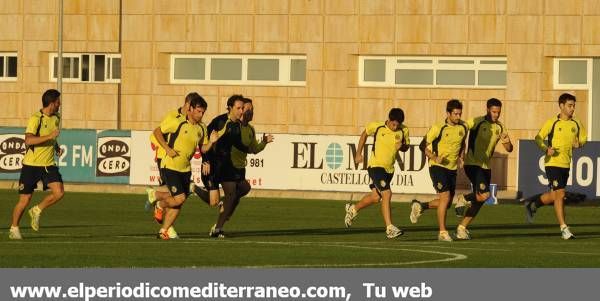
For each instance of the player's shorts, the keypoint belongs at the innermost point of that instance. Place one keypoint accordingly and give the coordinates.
(229, 173)
(211, 181)
(177, 182)
(443, 179)
(557, 177)
(380, 178)
(31, 175)
(480, 178)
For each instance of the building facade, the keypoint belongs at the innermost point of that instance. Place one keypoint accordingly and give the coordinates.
(311, 66)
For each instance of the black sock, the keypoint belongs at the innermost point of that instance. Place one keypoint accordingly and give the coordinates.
(474, 209)
(470, 198)
(424, 206)
(536, 200)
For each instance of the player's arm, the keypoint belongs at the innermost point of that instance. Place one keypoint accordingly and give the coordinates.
(431, 135)
(581, 139)
(257, 147)
(358, 158)
(168, 125)
(405, 140)
(542, 134)
(159, 136)
(30, 137)
(505, 140)
(233, 136)
(207, 142)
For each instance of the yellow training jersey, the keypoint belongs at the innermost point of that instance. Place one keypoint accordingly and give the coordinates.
(561, 135)
(384, 144)
(238, 157)
(483, 137)
(446, 141)
(160, 152)
(40, 124)
(183, 137)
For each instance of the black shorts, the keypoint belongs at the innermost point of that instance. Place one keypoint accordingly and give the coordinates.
(211, 181)
(443, 179)
(31, 175)
(380, 178)
(161, 180)
(557, 177)
(177, 182)
(229, 173)
(480, 178)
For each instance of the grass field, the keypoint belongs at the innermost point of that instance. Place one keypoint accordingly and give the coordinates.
(113, 230)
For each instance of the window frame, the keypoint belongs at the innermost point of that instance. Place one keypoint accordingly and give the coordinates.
(108, 72)
(5, 77)
(392, 64)
(285, 62)
(588, 86)
(556, 74)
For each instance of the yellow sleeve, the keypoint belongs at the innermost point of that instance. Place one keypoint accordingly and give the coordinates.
(169, 125)
(32, 124)
(502, 127)
(542, 134)
(433, 132)
(470, 123)
(582, 134)
(256, 147)
(371, 128)
(406, 135)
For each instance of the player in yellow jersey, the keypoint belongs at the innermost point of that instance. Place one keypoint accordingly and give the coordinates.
(484, 134)
(182, 139)
(389, 137)
(39, 164)
(445, 143)
(557, 138)
(159, 151)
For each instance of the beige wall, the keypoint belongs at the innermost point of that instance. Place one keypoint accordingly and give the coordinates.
(330, 32)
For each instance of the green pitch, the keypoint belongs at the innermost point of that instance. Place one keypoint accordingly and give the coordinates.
(113, 230)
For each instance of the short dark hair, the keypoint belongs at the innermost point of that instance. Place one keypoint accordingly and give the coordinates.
(563, 98)
(233, 98)
(50, 96)
(198, 101)
(494, 102)
(396, 114)
(453, 104)
(190, 96)
(247, 100)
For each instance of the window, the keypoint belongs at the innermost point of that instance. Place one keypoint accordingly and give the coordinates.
(580, 74)
(8, 66)
(432, 72)
(87, 67)
(267, 70)
(572, 73)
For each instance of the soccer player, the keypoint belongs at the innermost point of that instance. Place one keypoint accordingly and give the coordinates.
(484, 134)
(221, 162)
(389, 137)
(183, 137)
(444, 148)
(210, 163)
(238, 157)
(563, 133)
(39, 164)
(156, 140)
